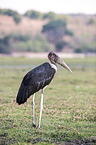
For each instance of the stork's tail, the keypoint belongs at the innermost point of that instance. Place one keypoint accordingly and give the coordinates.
(22, 95)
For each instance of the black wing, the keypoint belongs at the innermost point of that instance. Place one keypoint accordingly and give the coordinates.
(35, 80)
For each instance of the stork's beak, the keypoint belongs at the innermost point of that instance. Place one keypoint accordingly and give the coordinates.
(63, 64)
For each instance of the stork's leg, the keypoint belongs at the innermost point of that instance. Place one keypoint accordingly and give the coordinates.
(41, 107)
(34, 125)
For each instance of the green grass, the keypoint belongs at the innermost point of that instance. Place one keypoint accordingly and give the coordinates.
(69, 113)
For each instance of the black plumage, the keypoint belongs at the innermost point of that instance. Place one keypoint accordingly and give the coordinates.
(35, 80)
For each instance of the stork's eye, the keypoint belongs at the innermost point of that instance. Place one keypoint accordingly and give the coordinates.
(50, 54)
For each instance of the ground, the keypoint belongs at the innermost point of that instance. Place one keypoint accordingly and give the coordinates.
(69, 113)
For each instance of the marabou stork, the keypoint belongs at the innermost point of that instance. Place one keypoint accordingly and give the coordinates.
(37, 79)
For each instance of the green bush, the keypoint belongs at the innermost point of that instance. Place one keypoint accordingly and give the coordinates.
(86, 47)
(60, 45)
(69, 32)
(20, 37)
(55, 30)
(32, 46)
(49, 15)
(16, 16)
(91, 21)
(33, 14)
(7, 12)
(54, 25)
(5, 45)
(78, 50)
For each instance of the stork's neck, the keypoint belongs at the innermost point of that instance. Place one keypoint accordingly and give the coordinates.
(54, 66)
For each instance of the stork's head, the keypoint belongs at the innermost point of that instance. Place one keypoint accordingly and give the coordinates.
(55, 59)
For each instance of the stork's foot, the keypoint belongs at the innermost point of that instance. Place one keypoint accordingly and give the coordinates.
(34, 125)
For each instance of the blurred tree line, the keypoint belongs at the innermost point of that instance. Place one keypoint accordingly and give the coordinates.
(24, 43)
(52, 36)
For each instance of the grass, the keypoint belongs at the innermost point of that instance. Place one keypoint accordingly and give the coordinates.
(69, 114)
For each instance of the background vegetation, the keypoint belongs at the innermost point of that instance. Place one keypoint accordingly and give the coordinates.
(69, 114)
(44, 31)
(16, 16)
